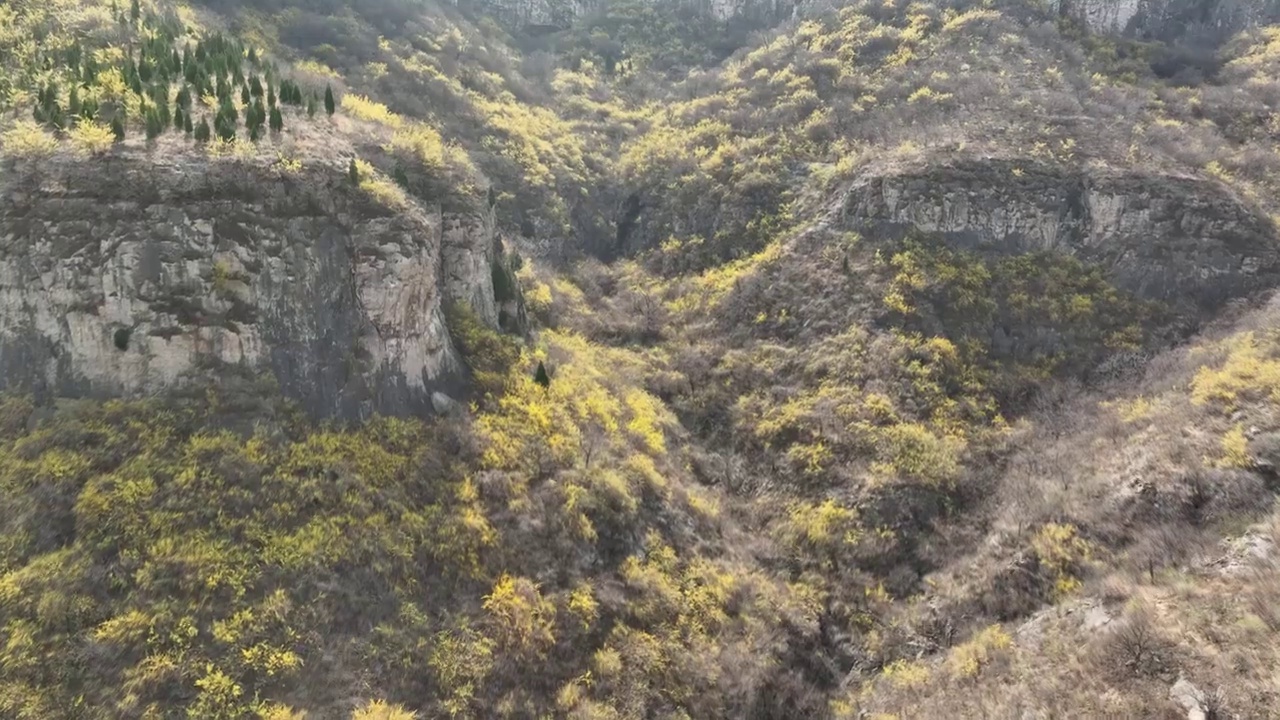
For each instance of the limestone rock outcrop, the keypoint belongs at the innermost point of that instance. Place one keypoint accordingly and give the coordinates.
(526, 14)
(1201, 22)
(1184, 241)
(124, 276)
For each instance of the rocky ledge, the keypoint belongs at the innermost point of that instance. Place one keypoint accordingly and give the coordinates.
(124, 276)
(1184, 241)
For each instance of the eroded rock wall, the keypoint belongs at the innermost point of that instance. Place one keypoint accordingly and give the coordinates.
(124, 276)
(523, 14)
(1183, 241)
(1207, 22)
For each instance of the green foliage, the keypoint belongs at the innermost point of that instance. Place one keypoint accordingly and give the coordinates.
(1068, 316)
(1062, 553)
(329, 106)
(224, 551)
(1249, 373)
(488, 354)
(154, 125)
(520, 617)
(202, 133)
(381, 710)
(819, 530)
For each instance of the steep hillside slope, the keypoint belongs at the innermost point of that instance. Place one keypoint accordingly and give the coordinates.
(913, 360)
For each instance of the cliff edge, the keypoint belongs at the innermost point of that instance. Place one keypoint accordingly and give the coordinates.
(124, 275)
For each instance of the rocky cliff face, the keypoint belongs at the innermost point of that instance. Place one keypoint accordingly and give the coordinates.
(561, 13)
(123, 276)
(1206, 22)
(1186, 242)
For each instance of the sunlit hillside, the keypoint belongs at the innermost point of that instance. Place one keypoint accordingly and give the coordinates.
(670, 360)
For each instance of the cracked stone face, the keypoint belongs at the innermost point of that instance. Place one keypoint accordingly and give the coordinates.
(1186, 242)
(115, 281)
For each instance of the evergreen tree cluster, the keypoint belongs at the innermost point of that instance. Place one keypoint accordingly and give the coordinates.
(158, 58)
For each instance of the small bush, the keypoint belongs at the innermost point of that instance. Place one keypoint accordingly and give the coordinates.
(91, 138)
(969, 659)
(382, 710)
(27, 140)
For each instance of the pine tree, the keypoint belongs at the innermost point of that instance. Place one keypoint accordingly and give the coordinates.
(202, 131)
(257, 115)
(186, 123)
(253, 56)
(244, 95)
(228, 111)
(184, 98)
(74, 53)
(73, 102)
(277, 120)
(117, 127)
(226, 130)
(154, 125)
(135, 11)
(255, 86)
(162, 109)
(175, 61)
(353, 172)
(311, 106)
(177, 118)
(400, 176)
(328, 100)
(541, 377)
(271, 96)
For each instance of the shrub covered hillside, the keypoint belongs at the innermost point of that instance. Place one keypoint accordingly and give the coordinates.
(903, 360)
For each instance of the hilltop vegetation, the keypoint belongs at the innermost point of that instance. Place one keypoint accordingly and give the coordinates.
(750, 462)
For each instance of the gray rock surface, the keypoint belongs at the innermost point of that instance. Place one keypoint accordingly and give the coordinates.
(443, 404)
(1185, 241)
(561, 13)
(124, 276)
(1200, 22)
(1190, 698)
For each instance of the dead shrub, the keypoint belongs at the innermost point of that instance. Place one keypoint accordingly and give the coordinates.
(1167, 545)
(1135, 647)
